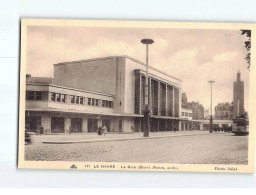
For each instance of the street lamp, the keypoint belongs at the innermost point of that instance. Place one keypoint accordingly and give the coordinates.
(211, 82)
(146, 110)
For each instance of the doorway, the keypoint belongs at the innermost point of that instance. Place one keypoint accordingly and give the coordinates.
(31, 122)
(76, 124)
(92, 125)
(57, 124)
(106, 122)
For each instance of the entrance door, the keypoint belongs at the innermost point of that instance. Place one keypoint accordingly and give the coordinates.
(32, 122)
(106, 122)
(92, 125)
(76, 124)
(57, 124)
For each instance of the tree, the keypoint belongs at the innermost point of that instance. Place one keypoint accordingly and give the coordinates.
(247, 46)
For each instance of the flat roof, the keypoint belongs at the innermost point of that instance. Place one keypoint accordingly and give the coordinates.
(69, 88)
(111, 57)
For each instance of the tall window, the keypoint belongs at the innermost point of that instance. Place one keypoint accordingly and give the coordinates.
(58, 97)
(53, 96)
(92, 102)
(77, 99)
(30, 95)
(96, 102)
(63, 98)
(110, 104)
(143, 93)
(89, 101)
(103, 103)
(39, 95)
(72, 99)
(81, 100)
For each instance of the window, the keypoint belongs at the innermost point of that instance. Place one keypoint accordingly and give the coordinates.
(30, 95)
(81, 100)
(96, 102)
(58, 97)
(52, 96)
(103, 103)
(107, 104)
(63, 98)
(110, 104)
(89, 101)
(77, 99)
(72, 99)
(92, 102)
(39, 95)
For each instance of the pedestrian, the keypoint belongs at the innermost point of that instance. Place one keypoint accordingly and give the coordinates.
(99, 130)
(38, 129)
(104, 130)
(41, 129)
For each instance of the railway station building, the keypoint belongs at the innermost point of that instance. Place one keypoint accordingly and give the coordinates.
(106, 91)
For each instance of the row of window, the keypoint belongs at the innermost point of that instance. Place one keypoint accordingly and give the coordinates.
(186, 114)
(34, 95)
(224, 108)
(58, 97)
(81, 100)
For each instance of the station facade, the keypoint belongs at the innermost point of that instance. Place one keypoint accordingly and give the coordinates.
(106, 91)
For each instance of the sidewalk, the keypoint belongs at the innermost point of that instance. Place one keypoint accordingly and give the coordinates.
(93, 137)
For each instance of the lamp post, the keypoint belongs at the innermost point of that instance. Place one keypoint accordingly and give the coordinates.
(146, 110)
(211, 82)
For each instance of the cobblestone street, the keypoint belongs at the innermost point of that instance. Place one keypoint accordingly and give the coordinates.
(217, 148)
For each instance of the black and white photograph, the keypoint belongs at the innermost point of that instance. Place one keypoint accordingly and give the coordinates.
(136, 96)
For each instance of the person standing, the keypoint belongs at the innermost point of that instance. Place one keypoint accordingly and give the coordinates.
(41, 129)
(38, 129)
(99, 130)
(104, 130)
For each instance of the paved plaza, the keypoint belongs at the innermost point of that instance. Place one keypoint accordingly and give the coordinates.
(187, 147)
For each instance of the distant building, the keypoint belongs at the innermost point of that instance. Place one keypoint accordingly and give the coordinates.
(224, 111)
(187, 122)
(184, 100)
(198, 110)
(238, 96)
(206, 113)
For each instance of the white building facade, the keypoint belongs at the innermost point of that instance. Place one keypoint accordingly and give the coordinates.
(107, 91)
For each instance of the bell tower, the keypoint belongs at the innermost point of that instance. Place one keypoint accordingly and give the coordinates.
(238, 96)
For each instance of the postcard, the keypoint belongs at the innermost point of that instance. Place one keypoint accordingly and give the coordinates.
(137, 96)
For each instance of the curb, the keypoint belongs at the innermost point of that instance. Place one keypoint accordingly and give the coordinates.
(117, 139)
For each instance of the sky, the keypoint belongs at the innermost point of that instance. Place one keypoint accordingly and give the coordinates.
(193, 55)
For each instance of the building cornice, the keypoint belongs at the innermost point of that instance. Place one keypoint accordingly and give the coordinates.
(112, 57)
(69, 88)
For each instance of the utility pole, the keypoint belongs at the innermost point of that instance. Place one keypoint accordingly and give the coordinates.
(146, 110)
(211, 82)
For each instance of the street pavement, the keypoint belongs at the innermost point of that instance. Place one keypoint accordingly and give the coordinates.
(187, 147)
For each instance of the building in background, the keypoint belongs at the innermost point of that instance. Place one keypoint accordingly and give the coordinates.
(238, 96)
(184, 100)
(110, 91)
(224, 111)
(207, 113)
(198, 110)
